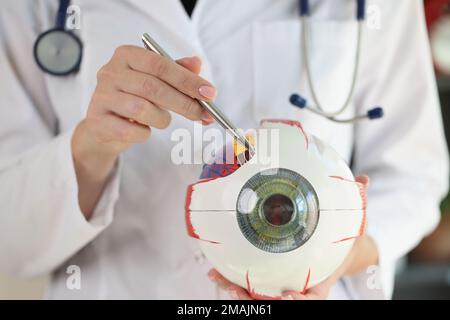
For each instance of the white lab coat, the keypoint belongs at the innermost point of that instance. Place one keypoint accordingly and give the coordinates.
(136, 245)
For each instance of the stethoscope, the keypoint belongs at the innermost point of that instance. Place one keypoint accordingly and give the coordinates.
(59, 51)
(301, 102)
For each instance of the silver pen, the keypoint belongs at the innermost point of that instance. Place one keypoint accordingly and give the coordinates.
(153, 46)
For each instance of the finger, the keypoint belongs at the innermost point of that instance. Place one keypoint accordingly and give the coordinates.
(193, 64)
(319, 291)
(313, 296)
(111, 127)
(161, 94)
(365, 180)
(293, 295)
(238, 293)
(207, 121)
(177, 76)
(234, 291)
(216, 277)
(136, 108)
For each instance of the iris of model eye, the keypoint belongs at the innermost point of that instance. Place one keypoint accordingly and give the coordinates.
(278, 209)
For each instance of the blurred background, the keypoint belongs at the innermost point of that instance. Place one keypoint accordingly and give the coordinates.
(425, 272)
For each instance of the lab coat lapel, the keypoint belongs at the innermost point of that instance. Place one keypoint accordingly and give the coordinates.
(171, 15)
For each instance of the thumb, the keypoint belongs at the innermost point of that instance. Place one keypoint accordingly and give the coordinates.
(193, 64)
(363, 180)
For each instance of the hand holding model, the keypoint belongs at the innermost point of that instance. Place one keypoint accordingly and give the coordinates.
(299, 209)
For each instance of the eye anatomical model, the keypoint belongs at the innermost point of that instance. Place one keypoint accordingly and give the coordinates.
(285, 223)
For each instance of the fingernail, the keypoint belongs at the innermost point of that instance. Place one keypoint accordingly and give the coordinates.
(288, 297)
(207, 122)
(207, 117)
(208, 92)
(233, 294)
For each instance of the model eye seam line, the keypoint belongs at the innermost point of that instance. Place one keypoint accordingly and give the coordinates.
(233, 210)
(340, 210)
(228, 210)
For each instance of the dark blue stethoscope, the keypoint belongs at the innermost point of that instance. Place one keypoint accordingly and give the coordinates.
(301, 102)
(59, 51)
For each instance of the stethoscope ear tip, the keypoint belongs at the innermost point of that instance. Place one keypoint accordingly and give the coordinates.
(297, 101)
(375, 113)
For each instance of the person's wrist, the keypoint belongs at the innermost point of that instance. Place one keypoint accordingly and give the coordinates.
(363, 254)
(90, 156)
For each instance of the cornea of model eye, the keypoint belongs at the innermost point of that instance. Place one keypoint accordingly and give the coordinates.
(247, 201)
(286, 212)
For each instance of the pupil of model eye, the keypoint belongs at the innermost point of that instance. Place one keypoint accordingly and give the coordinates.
(278, 210)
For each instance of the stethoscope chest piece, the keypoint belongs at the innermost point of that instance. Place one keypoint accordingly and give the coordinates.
(58, 52)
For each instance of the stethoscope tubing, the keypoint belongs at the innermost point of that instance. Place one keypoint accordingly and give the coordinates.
(319, 109)
(62, 14)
